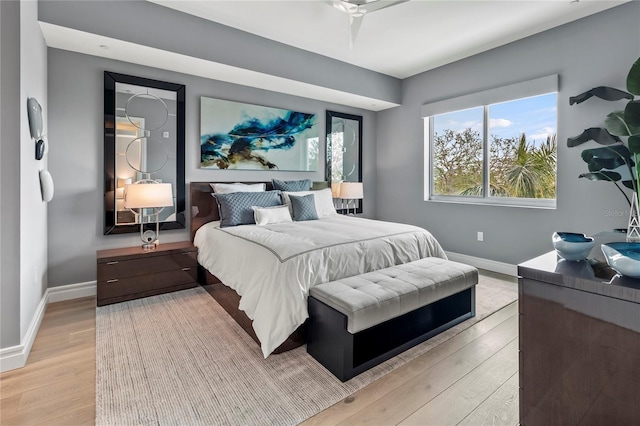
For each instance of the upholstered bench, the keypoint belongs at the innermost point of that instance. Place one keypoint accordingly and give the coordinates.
(358, 322)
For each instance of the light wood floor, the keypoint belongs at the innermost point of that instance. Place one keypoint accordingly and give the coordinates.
(57, 386)
(471, 379)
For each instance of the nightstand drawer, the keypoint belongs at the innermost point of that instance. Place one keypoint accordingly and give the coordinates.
(132, 272)
(141, 266)
(132, 286)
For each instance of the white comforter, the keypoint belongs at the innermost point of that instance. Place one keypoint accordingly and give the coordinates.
(273, 267)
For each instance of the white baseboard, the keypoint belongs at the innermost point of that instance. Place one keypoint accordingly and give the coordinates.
(487, 264)
(12, 357)
(16, 356)
(71, 291)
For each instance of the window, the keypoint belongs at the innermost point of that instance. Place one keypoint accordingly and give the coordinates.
(457, 153)
(502, 152)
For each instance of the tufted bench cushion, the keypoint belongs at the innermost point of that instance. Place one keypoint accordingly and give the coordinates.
(375, 297)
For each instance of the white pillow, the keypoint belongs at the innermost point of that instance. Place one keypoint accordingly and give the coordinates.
(227, 188)
(323, 200)
(267, 215)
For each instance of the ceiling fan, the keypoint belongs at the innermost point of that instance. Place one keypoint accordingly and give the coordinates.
(356, 9)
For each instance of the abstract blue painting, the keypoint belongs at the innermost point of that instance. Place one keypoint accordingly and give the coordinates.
(241, 136)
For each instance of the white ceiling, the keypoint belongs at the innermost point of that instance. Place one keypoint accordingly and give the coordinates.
(402, 40)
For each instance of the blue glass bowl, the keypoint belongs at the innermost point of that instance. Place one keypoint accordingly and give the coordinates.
(572, 246)
(624, 258)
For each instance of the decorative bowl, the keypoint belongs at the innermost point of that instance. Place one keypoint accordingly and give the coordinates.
(624, 258)
(572, 246)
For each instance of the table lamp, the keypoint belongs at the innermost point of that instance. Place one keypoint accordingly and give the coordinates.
(148, 194)
(351, 191)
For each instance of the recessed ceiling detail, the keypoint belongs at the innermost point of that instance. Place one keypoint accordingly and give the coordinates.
(409, 38)
(210, 39)
(91, 44)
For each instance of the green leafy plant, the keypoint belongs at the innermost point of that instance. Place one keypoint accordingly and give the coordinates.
(519, 167)
(602, 161)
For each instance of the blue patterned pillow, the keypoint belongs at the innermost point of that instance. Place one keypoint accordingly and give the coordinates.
(292, 185)
(236, 207)
(304, 207)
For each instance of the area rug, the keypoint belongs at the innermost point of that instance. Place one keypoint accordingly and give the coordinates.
(180, 359)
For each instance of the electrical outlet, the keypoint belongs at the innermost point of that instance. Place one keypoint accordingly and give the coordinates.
(480, 236)
(165, 135)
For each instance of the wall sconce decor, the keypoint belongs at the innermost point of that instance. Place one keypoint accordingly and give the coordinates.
(34, 114)
(34, 111)
(46, 185)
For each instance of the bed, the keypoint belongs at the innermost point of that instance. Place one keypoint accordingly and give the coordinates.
(271, 268)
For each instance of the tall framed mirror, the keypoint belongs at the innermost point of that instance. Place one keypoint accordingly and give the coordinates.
(344, 153)
(144, 123)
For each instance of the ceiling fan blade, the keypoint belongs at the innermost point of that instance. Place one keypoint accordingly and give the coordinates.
(355, 22)
(344, 6)
(372, 7)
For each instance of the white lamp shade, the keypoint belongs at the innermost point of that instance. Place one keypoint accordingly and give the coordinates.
(351, 190)
(148, 195)
(335, 189)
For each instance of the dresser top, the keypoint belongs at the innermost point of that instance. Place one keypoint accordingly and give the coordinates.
(592, 275)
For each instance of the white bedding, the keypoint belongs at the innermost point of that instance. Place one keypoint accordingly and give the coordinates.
(273, 267)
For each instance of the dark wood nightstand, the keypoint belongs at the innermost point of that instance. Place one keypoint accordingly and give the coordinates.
(133, 273)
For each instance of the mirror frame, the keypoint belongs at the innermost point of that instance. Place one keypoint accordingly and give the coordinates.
(330, 115)
(110, 80)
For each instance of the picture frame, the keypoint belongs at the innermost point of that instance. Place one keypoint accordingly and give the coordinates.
(241, 136)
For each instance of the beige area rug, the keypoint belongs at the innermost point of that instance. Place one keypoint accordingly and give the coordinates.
(179, 359)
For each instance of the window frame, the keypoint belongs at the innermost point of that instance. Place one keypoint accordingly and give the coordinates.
(513, 92)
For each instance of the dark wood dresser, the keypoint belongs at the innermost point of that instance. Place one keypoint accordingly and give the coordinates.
(579, 341)
(132, 273)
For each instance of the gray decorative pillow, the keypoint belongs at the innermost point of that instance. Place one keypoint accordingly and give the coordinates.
(304, 207)
(292, 185)
(236, 207)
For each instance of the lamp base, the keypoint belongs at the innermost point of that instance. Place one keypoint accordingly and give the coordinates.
(149, 246)
(149, 237)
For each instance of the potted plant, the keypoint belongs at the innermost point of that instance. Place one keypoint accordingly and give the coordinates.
(613, 153)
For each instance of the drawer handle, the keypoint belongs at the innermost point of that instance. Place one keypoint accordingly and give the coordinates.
(112, 263)
(186, 269)
(112, 281)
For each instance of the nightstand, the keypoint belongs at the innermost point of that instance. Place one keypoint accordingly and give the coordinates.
(133, 273)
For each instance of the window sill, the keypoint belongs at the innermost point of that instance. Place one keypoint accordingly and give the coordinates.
(527, 203)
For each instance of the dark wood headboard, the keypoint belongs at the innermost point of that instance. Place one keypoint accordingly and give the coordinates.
(204, 208)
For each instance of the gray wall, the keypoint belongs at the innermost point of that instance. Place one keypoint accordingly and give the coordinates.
(33, 211)
(9, 169)
(594, 51)
(23, 214)
(76, 162)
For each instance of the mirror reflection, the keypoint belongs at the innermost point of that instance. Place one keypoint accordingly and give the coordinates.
(344, 149)
(147, 143)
